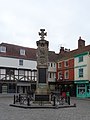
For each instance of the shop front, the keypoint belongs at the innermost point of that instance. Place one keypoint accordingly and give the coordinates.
(65, 86)
(68, 87)
(7, 87)
(25, 86)
(82, 88)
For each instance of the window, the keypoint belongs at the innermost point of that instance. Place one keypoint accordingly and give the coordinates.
(80, 59)
(54, 75)
(66, 74)
(51, 64)
(66, 63)
(88, 88)
(60, 76)
(2, 49)
(21, 72)
(81, 72)
(54, 65)
(50, 75)
(81, 89)
(2, 71)
(48, 64)
(21, 75)
(60, 65)
(9, 71)
(22, 52)
(20, 62)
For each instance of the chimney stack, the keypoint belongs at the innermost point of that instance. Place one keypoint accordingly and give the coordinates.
(62, 50)
(81, 43)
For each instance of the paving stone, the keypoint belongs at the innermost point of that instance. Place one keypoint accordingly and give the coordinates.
(81, 112)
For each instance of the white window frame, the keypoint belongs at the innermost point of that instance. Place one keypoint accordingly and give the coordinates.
(60, 64)
(21, 62)
(60, 75)
(65, 63)
(22, 52)
(80, 74)
(66, 77)
(3, 49)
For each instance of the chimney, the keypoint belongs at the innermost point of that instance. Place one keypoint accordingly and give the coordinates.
(62, 50)
(81, 43)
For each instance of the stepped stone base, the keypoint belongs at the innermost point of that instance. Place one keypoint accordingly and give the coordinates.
(35, 106)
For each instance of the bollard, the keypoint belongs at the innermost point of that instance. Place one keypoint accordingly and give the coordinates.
(69, 100)
(19, 98)
(14, 100)
(66, 99)
(54, 100)
(28, 102)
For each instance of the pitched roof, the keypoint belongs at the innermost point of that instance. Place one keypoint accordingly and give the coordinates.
(30, 53)
(14, 51)
(52, 56)
(71, 54)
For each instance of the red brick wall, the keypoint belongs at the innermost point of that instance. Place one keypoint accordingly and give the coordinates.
(70, 68)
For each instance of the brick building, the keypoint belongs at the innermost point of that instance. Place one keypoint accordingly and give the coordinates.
(73, 70)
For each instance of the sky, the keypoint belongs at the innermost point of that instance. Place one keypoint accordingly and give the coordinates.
(63, 20)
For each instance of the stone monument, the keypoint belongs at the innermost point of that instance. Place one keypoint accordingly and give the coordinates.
(42, 94)
(42, 64)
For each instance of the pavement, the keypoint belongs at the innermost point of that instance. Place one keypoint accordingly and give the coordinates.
(75, 98)
(80, 112)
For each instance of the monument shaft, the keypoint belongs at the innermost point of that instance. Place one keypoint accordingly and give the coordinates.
(42, 64)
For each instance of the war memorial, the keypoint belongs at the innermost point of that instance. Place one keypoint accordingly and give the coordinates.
(42, 97)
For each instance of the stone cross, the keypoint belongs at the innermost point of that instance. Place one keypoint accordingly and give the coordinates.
(42, 34)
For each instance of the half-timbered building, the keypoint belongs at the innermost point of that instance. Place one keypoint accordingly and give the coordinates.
(18, 68)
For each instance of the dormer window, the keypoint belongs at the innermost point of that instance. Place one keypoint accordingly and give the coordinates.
(3, 49)
(22, 52)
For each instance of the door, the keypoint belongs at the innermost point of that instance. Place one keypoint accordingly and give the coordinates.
(81, 90)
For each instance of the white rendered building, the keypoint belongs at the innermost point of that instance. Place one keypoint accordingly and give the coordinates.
(18, 68)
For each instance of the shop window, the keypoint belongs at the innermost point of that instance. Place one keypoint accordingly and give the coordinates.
(81, 72)
(88, 89)
(80, 59)
(81, 89)
(11, 88)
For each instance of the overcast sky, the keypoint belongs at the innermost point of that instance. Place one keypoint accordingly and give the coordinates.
(63, 20)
